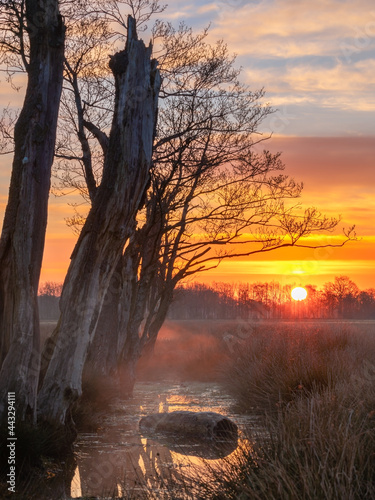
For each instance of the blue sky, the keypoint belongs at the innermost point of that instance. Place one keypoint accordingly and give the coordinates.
(316, 60)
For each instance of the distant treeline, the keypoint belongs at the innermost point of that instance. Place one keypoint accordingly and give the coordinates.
(48, 301)
(338, 299)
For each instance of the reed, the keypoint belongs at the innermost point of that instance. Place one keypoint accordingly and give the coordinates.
(315, 388)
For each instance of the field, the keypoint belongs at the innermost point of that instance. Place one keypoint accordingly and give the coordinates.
(311, 385)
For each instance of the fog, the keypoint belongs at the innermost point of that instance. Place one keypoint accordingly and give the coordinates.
(188, 350)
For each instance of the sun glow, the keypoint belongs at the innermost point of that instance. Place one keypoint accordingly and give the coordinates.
(299, 293)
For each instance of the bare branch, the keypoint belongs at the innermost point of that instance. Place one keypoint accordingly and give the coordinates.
(100, 136)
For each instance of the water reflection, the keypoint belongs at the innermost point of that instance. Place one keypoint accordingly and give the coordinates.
(119, 459)
(206, 449)
(113, 471)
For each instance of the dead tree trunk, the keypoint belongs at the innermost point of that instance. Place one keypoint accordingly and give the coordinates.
(102, 353)
(125, 309)
(109, 224)
(23, 233)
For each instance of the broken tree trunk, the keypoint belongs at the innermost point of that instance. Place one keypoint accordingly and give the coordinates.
(23, 233)
(116, 346)
(110, 223)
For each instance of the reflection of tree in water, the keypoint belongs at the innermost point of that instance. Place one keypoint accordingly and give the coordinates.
(143, 462)
(120, 460)
(119, 467)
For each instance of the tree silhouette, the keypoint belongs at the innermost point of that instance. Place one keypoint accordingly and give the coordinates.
(32, 38)
(107, 228)
(213, 193)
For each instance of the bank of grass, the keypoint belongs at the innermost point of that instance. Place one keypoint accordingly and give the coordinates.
(277, 364)
(315, 390)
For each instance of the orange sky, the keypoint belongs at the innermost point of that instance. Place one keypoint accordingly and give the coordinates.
(316, 61)
(339, 178)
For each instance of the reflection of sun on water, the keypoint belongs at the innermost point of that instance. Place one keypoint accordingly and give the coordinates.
(178, 402)
(76, 491)
(193, 467)
(120, 457)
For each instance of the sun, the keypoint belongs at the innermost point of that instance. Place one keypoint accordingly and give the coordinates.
(299, 293)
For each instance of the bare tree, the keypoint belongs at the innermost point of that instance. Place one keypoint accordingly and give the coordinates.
(108, 226)
(341, 294)
(50, 289)
(209, 190)
(48, 300)
(32, 37)
(210, 197)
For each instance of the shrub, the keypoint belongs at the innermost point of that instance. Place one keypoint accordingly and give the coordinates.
(321, 446)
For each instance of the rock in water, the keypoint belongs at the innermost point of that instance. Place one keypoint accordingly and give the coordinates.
(205, 424)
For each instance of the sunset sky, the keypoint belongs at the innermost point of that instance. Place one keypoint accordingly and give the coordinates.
(316, 62)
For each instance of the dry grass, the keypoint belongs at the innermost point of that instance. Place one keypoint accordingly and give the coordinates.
(275, 365)
(316, 389)
(319, 447)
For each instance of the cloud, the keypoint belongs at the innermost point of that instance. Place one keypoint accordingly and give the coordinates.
(290, 28)
(336, 87)
(338, 175)
(318, 57)
(329, 161)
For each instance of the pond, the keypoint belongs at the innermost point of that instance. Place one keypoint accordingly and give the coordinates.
(118, 459)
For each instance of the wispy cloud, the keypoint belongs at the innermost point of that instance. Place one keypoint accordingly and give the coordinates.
(292, 28)
(318, 57)
(336, 87)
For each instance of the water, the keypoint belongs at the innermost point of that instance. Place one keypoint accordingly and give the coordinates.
(118, 458)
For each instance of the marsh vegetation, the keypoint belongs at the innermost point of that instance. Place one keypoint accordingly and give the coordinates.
(302, 393)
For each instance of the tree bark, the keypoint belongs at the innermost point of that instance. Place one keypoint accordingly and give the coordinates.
(102, 354)
(23, 233)
(110, 223)
(116, 346)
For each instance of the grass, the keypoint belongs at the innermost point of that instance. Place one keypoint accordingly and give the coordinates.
(315, 389)
(320, 447)
(276, 364)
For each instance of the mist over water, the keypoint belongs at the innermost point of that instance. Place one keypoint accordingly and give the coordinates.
(183, 373)
(194, 368)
